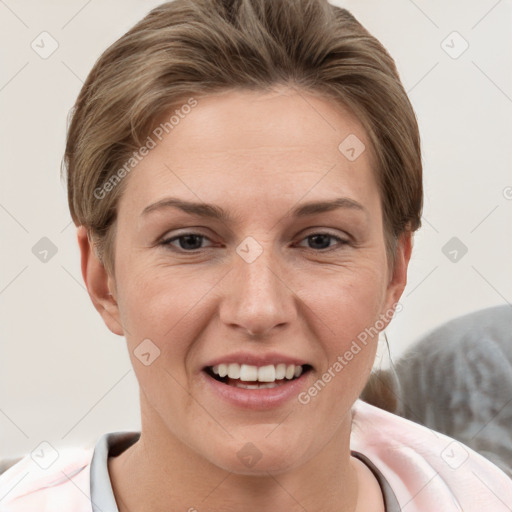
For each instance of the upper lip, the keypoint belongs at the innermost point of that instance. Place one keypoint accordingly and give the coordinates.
(256, 359)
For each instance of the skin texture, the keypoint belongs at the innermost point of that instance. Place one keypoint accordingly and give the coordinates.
(257, 155)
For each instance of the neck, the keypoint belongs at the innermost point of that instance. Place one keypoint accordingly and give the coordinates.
(159, 473)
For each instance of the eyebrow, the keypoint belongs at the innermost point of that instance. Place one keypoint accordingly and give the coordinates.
(216, 212)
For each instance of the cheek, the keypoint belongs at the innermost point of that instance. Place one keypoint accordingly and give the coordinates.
(161, 305)
(165, 304)
(348, 300)
(348, 312)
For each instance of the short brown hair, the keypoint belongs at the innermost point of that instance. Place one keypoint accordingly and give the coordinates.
(187, 48)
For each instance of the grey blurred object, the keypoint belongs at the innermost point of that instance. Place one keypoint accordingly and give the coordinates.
(457, 380)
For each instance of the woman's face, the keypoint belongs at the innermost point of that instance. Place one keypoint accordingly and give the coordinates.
(273, 281)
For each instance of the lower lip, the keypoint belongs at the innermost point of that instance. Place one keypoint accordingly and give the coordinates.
(257, 399)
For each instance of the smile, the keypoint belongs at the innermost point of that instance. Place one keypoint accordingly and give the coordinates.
(247, 376)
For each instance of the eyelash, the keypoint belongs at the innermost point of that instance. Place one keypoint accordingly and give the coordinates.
(167, 242)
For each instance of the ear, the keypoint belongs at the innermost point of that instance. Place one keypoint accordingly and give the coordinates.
(398, 276)
(100, 285)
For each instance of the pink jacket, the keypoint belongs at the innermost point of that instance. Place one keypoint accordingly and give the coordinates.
(427, 471)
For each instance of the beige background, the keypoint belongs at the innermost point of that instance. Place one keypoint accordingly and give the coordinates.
(64, 378)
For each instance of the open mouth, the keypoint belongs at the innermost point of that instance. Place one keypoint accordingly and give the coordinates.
(256, 377)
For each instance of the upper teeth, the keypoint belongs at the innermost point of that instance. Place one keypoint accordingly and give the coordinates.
(246, 372)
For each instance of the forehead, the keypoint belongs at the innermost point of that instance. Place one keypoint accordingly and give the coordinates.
(247, 146)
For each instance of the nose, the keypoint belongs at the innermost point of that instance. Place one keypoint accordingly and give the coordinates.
(258, 299)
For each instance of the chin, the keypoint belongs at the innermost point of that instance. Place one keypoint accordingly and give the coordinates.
(260, 456)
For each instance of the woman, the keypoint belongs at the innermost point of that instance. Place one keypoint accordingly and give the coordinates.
(278, 138)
